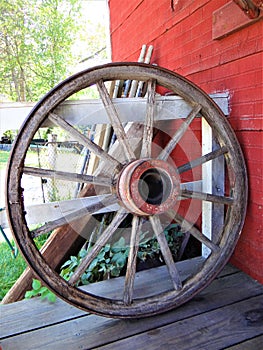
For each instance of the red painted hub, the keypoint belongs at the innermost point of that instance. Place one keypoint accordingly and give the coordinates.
(148, 186)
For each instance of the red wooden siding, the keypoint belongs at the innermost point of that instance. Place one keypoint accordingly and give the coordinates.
(183, 42)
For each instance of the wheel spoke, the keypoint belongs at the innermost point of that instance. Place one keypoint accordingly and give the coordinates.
(159, 232)
(56, 119)
(105, 236)
(77, 214)
(50, 211)
(189, 227)
(115, 120)
(131, 265)
(148, 127)
(179, 133)
(61, 175)
(201, 160)
(207, 197)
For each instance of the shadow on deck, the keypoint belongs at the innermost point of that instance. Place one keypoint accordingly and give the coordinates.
(226, 315)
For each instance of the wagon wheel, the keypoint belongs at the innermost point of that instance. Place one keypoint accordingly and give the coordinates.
(143, 178)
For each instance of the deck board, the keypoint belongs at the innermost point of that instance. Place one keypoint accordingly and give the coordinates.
(211, 330)
(227, 314)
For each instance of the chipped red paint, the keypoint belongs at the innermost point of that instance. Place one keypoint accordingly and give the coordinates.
(148, 186)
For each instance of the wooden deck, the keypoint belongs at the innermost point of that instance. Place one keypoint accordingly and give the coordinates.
(226, 315)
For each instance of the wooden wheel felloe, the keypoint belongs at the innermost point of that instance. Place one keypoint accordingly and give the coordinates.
(151, 177)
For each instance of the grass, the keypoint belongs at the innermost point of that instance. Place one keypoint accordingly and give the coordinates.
(31, 159)
(3, 159)
(10, 268)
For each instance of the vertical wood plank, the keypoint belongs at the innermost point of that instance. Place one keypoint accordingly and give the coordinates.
(213, 182)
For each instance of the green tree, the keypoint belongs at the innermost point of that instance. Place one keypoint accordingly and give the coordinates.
(35, 45)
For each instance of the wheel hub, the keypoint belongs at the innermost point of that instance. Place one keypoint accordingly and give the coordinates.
(148, 186)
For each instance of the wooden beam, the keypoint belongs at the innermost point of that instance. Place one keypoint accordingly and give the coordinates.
(228, 19)
(88, 112)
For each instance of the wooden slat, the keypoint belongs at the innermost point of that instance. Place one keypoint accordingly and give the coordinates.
(215, 330)
(67, 176)
(179, 133)
(37, 313)
(147, 282)
(48, 314)
(228, 301)
(190, 228)
(85, 141)
(207, 197)
(102, 240)
(75, 215)
(132, 260)
(115, 120)
(166, 252)
(46, 212)
(199, 161)
(149, 120)
(213, 174)
(89, 111)
(251, 344)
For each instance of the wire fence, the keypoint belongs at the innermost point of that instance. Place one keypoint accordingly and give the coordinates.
(67, 156)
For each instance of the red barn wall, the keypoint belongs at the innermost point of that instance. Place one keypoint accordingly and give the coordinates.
(183, 42)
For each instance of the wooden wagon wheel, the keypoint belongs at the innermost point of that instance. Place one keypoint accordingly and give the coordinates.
(141, 179)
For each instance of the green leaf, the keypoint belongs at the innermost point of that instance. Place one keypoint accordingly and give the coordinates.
(82, 253)
(93, 264)
(107, 248)
(51, 297)
(115, 272)
(66, 264)
(42, 290)
(44, 294)
(36, 284)
(30, 293)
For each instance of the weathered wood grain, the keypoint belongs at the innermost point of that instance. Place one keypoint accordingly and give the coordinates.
(32, 324)
(85, 141)
(115, 120)
(197, 101)
(215, 330)
(166, 252)
(132, 260)
(66, 237)
(149, 119)
(251, 344)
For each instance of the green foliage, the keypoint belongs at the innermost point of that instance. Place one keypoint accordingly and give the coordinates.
(4, 155)
(10, 268)
(10, 134)
(150, 248)
(108, 263)
(41, 291)
(38, 45)
(112, 259)
(37, 51)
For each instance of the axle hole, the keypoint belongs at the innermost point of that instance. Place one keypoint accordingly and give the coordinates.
(155, 186)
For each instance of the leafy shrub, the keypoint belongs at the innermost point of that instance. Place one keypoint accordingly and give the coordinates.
(108, 263)
(39, 290)
(112, 259)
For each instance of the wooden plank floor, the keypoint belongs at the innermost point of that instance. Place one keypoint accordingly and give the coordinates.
(228, 314)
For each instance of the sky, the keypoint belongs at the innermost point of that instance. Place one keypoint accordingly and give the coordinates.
(95, 12)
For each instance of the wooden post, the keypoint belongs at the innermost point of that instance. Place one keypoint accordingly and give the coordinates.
(213, 174)
(52, 159)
